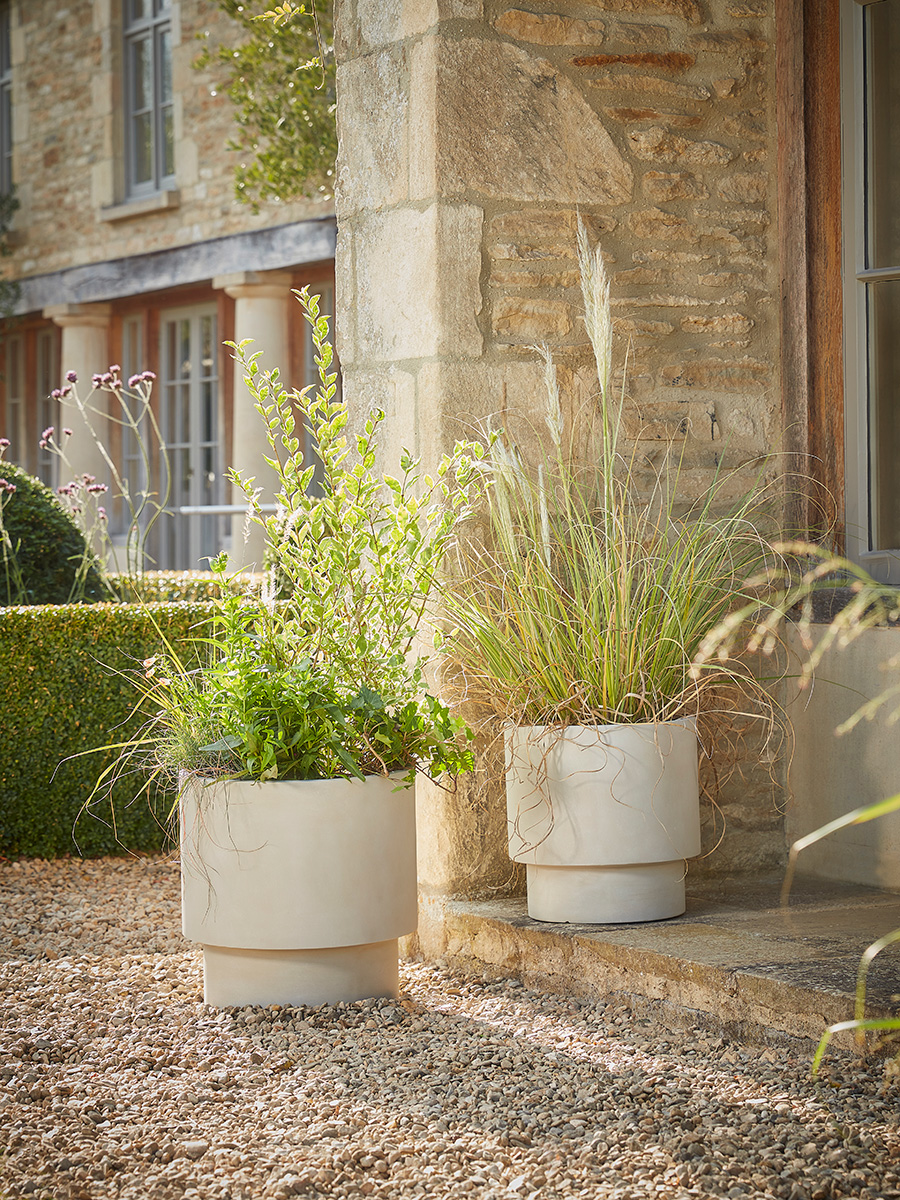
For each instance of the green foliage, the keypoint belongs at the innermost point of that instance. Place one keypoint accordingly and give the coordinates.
(325, 682)
(283, 92)
(65, 677)
(592, 593)
(169, 587)
(44, 558)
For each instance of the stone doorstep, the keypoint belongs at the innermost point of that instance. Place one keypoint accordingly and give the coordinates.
(737, 961)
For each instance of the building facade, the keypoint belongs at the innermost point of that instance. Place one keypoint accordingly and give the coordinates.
(735, 158)
(737, 161)
(129, 247)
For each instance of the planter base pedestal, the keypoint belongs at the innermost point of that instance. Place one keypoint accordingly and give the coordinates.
(606, 895)
(233, 978)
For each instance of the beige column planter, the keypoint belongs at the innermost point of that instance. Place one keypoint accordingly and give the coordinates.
(298, 891)
(604, 817)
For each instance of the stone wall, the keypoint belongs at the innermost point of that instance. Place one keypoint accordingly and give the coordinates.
(67, 135)
(472, 133)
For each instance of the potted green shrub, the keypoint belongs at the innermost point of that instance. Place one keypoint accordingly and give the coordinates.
(296, 723)
(577, 621)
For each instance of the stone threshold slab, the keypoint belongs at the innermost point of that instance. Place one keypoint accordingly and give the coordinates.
(737, 960)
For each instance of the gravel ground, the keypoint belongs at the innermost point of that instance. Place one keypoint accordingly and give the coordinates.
(116, 1080)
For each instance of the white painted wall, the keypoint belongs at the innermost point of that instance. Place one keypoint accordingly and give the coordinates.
(832, 774)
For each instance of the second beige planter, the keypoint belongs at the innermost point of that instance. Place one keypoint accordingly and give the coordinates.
(298, 891)
(604, 817)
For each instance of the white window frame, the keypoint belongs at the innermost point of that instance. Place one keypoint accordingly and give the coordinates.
(882, 562)
(157, 30)
(186, 539)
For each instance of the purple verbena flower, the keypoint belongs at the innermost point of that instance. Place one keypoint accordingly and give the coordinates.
(67, 432)
(4, 442)
(71, 377)
(56, 394)
(48, 433)
(115, 369)
(65, 391)
(134, 380)
(101, 512)
(148, 376)
(96, 380)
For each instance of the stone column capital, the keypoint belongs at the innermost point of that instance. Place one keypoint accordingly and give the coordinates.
(254, 285)
(96, 316)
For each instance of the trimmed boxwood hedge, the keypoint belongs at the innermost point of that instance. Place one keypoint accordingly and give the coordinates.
(61, 695)
(154, 587)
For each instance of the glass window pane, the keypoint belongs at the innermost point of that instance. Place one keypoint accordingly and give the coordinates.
(171, 373)
(883, 104)
(143, 148)
(141, 74)
(884, 317)
(184, 426)
(165, 66)
(139, 10)
(168, 144)
(5, 61)
(207, 337)
(209, 415)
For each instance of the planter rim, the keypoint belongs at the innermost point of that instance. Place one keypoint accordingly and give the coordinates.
(188, 779)
(689, 722)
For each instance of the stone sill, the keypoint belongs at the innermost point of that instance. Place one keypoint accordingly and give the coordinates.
(737, 960)
(161, 202)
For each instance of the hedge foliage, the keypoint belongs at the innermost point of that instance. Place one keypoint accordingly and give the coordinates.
(65, 689)
(166, 587)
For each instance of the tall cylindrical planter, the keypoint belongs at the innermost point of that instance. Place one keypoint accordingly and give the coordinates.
(603, 816)
(298, 891)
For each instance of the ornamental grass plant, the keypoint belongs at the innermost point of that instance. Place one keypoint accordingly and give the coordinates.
(595, 583)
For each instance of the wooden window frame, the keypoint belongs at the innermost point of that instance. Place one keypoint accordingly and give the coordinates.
(810, 255)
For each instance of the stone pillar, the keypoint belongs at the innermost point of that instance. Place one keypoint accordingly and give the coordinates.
(454, 142)
(261, 310)
(85, 350)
